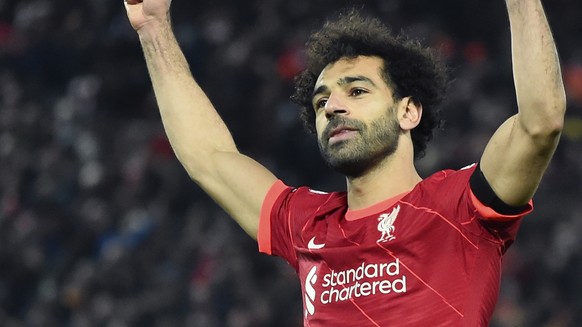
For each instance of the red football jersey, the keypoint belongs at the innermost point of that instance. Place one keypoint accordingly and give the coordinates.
(429, 257)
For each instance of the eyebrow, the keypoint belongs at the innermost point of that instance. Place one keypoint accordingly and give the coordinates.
(343, 81)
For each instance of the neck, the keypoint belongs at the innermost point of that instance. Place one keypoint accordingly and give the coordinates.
(394, 175)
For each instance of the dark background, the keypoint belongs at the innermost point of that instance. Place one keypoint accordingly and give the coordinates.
(100, 225)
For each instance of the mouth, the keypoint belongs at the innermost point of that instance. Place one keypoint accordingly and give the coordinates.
(340, 130)
(341, 133)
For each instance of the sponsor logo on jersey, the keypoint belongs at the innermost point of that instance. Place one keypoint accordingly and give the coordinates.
(366, 279)
(314, 246)
(362, 281)
(386, 225)
(310, 293)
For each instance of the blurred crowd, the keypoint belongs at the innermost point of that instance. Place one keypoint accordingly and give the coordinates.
(100, 225)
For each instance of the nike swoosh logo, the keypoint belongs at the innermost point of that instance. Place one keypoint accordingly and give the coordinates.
(313, 246)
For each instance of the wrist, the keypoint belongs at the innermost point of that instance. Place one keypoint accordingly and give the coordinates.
(513, 3)
(154, 27)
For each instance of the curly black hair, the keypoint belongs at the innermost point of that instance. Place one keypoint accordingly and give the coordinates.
(409, 68)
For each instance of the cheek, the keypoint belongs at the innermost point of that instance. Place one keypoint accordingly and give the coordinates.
(320, 124)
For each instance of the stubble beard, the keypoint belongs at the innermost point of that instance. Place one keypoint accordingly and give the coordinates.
(356, 156)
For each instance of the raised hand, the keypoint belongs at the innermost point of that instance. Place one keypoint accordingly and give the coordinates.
(142, 13)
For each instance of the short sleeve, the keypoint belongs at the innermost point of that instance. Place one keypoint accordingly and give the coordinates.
(285, 213)
(487, 213)
(264, 235)
(453, 197)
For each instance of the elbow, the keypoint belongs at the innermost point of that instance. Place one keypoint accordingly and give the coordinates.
(548, 122)
(551, 128)
(547, 131)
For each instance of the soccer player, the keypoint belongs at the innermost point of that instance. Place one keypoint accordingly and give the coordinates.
(394, 249)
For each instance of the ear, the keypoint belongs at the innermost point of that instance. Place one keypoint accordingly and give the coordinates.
(409, 113)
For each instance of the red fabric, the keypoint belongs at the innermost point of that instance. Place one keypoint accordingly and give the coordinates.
(429, 259)
(264, 232)
(490, 214)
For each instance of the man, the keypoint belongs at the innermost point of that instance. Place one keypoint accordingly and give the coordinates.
(394, 249)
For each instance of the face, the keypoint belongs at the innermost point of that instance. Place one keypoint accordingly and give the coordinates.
(356, 116)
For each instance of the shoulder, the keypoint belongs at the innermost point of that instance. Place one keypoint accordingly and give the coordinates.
(301, 198)
(449, 178)
(444, 188)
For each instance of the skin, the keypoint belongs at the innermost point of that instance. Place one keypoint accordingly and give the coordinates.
(520, 151)
(353, 92)
(198, 136)
(513, 162)
(351, 138)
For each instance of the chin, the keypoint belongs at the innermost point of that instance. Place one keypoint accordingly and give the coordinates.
(351, 167)
(354, 163)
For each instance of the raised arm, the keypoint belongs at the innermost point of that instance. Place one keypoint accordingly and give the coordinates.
(198, 135)
(520, 150)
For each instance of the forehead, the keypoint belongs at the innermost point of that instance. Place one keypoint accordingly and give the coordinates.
(371, 67)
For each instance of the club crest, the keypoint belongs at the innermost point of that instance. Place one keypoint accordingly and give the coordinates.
(386, 225)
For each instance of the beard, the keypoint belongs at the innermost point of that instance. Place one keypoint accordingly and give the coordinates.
(356, 156)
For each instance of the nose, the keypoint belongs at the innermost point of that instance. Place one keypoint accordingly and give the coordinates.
(335, 106)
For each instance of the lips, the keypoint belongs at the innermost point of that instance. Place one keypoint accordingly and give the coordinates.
(339, 130)
(340, 133)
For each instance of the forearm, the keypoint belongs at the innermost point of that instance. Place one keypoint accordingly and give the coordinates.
(536, 69)
(193, 126)
(519, 152)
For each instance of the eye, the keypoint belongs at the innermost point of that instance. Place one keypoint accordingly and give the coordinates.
(320, 103)
(357, 92)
